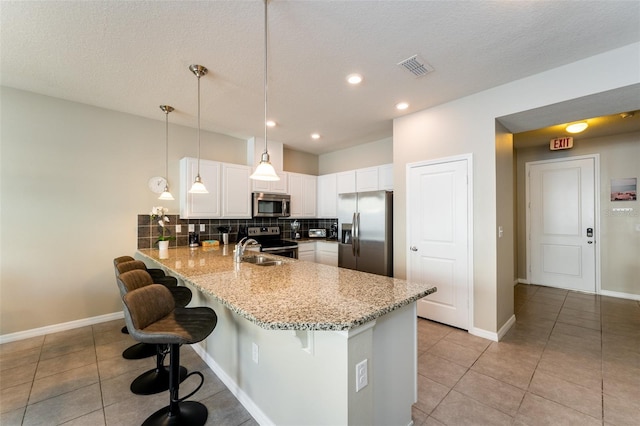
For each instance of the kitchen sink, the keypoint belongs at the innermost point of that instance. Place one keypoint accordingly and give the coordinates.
(261, 260)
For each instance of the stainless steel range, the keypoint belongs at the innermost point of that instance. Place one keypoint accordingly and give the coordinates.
(271, 241)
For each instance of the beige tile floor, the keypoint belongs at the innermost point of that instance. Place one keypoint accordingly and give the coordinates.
(571, 359)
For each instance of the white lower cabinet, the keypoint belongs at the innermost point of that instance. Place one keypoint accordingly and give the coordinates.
(327, 253)
(307, 251)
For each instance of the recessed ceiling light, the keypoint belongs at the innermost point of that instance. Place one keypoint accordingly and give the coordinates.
(354, 78)
(271, 123)
(577, 127)
(315, 136)
(402, 106)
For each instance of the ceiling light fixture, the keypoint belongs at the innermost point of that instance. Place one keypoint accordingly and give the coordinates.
(354, 79)
(271, 123)
(315, 136)
(264, 170)
(577, 127)
(198, 187)
(402, 106)
(166, 195)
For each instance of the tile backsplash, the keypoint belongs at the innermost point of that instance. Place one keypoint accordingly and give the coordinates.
(148, 230)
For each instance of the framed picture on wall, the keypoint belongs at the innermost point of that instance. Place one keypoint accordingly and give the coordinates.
(624, 189)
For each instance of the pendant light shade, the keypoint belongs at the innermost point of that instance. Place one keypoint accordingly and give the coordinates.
(198, 187)
(264, 170)
(166, 195)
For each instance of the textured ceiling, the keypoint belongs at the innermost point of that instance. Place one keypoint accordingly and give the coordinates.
(132, 56)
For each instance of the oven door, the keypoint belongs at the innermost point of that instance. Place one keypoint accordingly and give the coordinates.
(291, 252)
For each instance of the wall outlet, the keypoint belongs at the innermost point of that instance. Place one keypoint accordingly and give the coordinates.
(202, 227)
(255, 352)
(362, 378)
(178, 229)
(192, 227)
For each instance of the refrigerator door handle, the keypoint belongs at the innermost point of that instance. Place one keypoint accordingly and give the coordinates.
(358, 233)
(354, 234)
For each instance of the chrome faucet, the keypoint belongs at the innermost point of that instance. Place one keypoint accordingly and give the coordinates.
(240, 247)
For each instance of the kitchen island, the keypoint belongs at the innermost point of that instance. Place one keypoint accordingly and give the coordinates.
(290, 336)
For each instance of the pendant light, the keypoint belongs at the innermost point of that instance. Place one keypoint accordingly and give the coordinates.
(264, 170)
(166, 195)
(198, 187)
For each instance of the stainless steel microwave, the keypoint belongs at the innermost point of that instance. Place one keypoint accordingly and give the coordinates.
(271, 205)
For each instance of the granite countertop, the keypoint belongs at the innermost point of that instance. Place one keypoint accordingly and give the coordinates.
(296, 295)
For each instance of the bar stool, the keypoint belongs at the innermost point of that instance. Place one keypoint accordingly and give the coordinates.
(154, 272)
(181, 294)
(152, 317)
(160, 277)
(157, 379)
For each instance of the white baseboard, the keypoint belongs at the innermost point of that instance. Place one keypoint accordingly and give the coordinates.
(244, 399)
(522, 281)
(491, 335)
(34, 332)
(620, 295)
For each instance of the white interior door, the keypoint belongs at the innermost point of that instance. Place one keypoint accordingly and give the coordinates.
(438, 238)
(561, 219)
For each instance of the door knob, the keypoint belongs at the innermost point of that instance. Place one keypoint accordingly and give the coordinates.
(414, 248)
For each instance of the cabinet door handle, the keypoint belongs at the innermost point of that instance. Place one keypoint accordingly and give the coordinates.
(414, 248)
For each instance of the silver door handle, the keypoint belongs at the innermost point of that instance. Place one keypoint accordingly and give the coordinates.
(414, 248)
(354, 234)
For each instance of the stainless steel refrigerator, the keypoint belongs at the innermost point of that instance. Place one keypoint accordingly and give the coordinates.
(366, 232)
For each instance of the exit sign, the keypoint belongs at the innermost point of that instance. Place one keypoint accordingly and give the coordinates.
(561, 143)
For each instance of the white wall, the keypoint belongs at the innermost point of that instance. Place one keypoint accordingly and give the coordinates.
(619, 241)
(300, 162)
(505, 219)
(467, 125)
(366, 155)
(73, 180)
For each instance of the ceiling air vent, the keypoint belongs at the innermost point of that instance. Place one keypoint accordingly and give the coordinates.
(416, 66)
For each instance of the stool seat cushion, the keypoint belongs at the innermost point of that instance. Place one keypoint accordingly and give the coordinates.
(123, 264)
(137, 278)
(152, 317)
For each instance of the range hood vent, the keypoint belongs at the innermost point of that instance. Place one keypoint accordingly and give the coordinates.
(416, 66)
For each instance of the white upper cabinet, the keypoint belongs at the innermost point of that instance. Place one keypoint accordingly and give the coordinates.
(236, 191)
(275, 187)
(327, 196)
(346, 182)
(303, 189)
(385, 177)
(200, 206)
(367, 179)
(228, 185)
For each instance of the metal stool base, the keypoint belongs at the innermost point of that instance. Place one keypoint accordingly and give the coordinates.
(154, 381)
(139, 351)
(190, 413)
